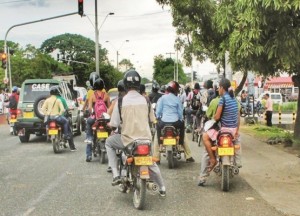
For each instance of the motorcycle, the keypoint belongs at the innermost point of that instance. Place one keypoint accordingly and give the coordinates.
(12, 119)
(225, 154)
(55, 134)
(197, 131)
(100, 134)
(170, 146)
(133, 166)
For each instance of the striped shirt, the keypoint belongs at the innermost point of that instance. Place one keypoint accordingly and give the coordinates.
(229, 116)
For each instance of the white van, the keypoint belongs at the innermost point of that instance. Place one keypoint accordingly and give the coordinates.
(276, 97)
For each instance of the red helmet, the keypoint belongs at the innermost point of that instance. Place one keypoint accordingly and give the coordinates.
(173, 87)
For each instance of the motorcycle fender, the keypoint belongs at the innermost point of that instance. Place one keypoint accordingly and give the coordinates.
(144, 172)
(226, 160)
(52, 137)
(21, 132)
(169, 148)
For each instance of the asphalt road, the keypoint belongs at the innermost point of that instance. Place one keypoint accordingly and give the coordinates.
(35, 181)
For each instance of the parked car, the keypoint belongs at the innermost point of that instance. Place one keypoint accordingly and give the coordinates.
(276, 97)
(30, 119)
(81, 93)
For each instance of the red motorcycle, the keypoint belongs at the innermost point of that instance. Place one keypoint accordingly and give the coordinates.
(224, 149)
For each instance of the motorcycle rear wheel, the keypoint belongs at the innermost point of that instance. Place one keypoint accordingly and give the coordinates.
(102, 154)
(171, 159)
(225, 177)
(55, 144)
(139, 193)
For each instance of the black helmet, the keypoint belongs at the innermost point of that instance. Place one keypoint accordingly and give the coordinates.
(121, 86)
(209, 84)
(55, 90)
(132, 79)
(98, 84)
(173, 87)
(93, 77)
(155, 86)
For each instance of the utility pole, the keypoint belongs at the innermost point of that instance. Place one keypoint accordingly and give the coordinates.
(96, 39)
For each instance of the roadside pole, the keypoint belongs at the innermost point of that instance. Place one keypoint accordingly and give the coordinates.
(22, 24)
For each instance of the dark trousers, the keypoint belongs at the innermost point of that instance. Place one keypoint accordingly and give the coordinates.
(269, 118)
(179, 125)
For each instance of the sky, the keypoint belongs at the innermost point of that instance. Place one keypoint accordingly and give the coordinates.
(146, 25)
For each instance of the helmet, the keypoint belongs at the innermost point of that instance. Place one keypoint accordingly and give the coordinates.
(14, 89)
(132, 79)
(155, 86)
(173, 87)
(98, 84)
(209, 84)
(55, 90)
(142, 88)
(93, 77)
(162, 89)
(197, 86)
(121, 86)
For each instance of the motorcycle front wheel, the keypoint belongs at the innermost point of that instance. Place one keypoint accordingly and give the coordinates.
(139, 193)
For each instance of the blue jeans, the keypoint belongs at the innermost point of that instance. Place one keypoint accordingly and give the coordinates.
(89, 132)
(65, 124)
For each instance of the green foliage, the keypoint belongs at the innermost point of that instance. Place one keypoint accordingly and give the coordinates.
(164, 70)
(126, 63)
(286, 107)
(145, 80)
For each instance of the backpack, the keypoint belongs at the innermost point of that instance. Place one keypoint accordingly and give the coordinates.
(100, 106)
(210, 97)
(195, 103)
(13, 103)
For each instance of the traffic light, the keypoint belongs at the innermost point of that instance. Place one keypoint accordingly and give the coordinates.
(4, 60)
(80, 7)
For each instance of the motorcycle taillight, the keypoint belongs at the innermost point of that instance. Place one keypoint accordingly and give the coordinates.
(169, 133)
(225, 141)
(52, 124)
(142, 150)
(13, 116)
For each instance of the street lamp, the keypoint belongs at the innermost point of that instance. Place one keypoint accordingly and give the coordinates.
(117, 50)
(97, 35)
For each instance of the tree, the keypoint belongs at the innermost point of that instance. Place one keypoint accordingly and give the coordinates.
(126, 63)
(145, 80)
(164, 70)
(77, 49)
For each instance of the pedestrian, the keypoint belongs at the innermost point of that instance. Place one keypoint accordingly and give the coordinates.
(269, 109)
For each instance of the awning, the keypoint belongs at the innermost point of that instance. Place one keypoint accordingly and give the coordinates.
(284, 85)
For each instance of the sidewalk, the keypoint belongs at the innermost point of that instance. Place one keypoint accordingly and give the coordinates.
(273, 173)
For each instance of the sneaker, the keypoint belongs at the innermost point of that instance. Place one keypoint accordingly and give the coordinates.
(88, 159)
(86, 141)
(109, 170)
(116, 181)
(73, 149)
(201, 183)
(190, 160)
(162, 193)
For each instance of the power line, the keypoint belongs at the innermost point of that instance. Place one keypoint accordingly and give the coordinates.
(7, 2)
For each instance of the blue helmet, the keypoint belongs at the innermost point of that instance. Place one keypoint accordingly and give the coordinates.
(15, 89)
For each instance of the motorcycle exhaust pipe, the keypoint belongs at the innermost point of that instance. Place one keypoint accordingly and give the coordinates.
(235, 170)
(152, 187)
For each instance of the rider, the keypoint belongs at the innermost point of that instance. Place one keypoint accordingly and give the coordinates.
(13, 101)
(98, 87)
(193, 100)
(229, 119)
(154, 96)
(169, 111)
(134, 113)
(54, 107)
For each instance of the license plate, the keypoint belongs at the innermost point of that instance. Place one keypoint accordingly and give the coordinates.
(28, 115)
(13, 120)
(102, 134)
(143, 160)
(169, 142)
(225, 151)
(52, 132)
